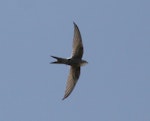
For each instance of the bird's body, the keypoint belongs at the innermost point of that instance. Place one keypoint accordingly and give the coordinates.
(75, 62)
(70, 61)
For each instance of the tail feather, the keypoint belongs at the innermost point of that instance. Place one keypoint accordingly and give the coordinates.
(59, 60)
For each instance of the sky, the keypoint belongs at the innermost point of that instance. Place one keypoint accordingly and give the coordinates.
(113, 86)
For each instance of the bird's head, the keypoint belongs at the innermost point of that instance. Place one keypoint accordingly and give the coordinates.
(83, 62)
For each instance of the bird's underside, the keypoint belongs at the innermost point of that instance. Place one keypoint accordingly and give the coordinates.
(75, 62)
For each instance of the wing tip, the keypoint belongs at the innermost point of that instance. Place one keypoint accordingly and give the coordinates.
(75, 24)
(64, 97)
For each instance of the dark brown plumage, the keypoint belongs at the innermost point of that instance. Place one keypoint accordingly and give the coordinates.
(75, 62)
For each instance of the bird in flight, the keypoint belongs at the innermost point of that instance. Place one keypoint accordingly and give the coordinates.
(75, 61)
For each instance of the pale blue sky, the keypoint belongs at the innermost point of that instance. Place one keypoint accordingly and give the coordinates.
(114, 86)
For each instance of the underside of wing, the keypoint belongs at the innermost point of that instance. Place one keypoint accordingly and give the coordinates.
(72, 80)
(77, 51)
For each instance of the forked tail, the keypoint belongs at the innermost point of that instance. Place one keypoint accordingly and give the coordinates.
(59, 60)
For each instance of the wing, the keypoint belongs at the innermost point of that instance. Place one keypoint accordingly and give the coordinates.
(77, 51)
(72, 80)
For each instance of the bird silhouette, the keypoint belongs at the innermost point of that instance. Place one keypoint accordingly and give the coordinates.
(75, 61)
